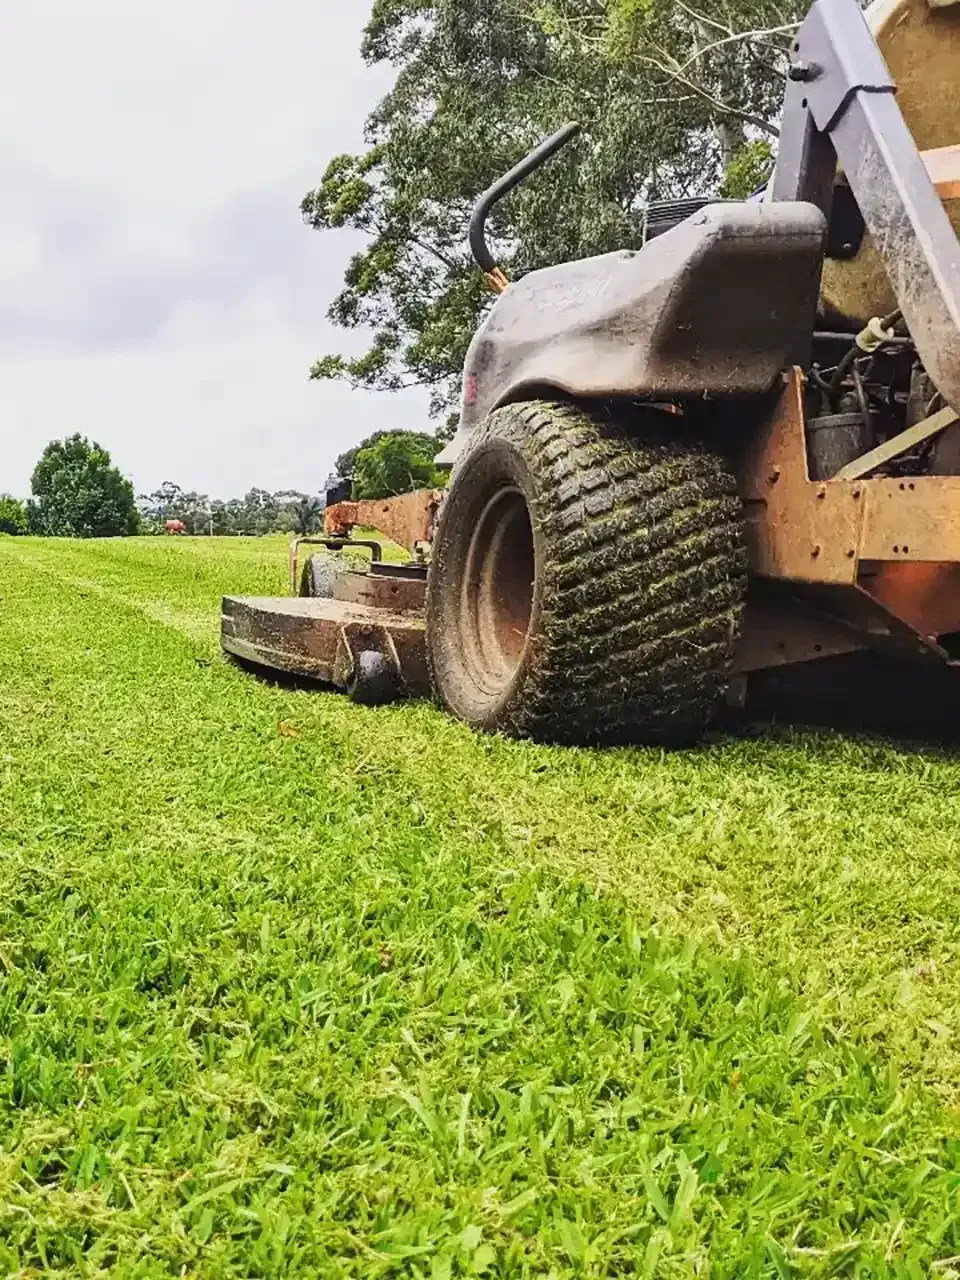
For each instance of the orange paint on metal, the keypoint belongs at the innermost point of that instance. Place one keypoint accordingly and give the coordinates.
(406, 519)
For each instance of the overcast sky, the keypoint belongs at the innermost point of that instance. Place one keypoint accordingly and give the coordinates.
(158, 290)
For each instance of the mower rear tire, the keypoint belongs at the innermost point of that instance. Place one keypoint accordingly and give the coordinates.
(587, 579)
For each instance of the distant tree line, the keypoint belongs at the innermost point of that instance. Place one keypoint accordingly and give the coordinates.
(79, 493)
(257, 512)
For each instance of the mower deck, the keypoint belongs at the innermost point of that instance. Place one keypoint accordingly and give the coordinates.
(321, 639)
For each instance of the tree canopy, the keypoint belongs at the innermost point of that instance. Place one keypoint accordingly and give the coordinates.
(676, 99)
(78, 493)
(395, 462)
(13, 515)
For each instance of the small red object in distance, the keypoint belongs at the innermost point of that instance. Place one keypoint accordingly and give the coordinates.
(175, 526)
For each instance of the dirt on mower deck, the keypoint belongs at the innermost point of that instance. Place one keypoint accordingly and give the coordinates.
(302, 637)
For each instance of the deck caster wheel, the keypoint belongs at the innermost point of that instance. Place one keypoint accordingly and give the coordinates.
(320, 573)
(374, 680)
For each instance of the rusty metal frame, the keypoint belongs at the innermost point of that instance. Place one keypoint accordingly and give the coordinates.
(407, 519)
(846, 546)
(821, 532)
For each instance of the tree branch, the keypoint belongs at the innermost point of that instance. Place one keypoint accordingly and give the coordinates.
(749, 37)
(449, 263)
(725, 107)
(388, 233)
(702, 17)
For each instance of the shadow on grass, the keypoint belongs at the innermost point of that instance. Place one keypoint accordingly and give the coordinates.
(274, 678)
(911, 703)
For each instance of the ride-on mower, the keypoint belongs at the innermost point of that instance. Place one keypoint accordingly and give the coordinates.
(732, 450)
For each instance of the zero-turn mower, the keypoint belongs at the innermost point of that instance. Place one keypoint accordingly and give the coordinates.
(678, 468)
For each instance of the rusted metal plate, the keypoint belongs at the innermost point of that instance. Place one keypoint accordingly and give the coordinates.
(397, 595)
(301, 636)
(883, 630)
(407, 519)
(779, 631)
(798, 530)
(840, 540)
(926, 596)
(912, 519)
(801, 530)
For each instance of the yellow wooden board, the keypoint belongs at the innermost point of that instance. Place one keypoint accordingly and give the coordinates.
(920, 42)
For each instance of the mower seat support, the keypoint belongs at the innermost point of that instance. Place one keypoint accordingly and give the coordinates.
(840, 106)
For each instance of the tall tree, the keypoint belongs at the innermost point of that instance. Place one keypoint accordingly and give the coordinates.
(420, 442)
(301, 513)
(676, 99)
(78, 493)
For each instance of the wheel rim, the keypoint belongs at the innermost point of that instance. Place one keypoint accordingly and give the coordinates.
(498, 589)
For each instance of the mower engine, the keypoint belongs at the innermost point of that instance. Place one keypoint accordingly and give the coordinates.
(864, 391)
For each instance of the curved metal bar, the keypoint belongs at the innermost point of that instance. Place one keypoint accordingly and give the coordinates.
(503, 186)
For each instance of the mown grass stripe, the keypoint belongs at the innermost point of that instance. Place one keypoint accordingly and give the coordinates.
(372, 996)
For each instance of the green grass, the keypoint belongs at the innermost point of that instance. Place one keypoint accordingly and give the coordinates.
(289, 986)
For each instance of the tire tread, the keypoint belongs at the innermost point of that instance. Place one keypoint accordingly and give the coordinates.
(643, 582)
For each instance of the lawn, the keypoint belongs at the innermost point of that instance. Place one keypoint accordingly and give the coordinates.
(289, 986)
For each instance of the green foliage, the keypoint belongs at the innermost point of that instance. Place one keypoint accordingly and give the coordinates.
(307, 512)
(78, 493)
(748, 170)
(292, 987)
(421, 442)
(13, 515)
(346, 463)
(396, 462)
(675, 99)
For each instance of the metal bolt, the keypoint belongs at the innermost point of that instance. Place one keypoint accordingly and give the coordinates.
(856, 493)
(803, 71)
(821, 493)
(851, 554)
(816, 550)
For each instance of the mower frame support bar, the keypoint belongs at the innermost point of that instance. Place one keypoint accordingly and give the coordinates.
(897, 445)
(332, 544)
(840, 106)
(407, 519)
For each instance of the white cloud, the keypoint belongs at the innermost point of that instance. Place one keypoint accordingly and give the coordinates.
(157, 289)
